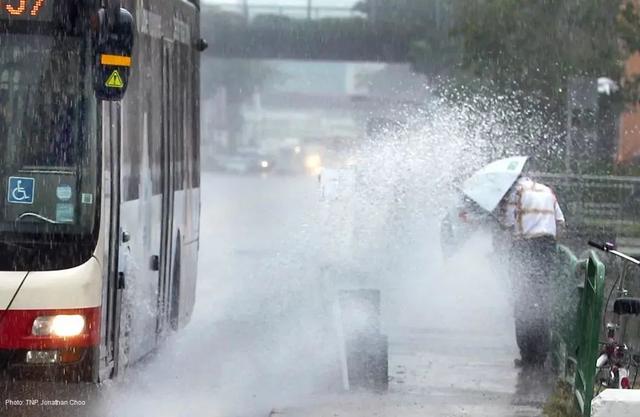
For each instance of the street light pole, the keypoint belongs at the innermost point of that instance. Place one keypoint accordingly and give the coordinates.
(245, 9)
(373, 12)
(569, 139)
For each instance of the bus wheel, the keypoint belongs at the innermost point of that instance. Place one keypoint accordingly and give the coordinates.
(124, 343)
(174, 317)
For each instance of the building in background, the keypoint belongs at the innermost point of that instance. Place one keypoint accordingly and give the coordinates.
(306, 101)
(629, 131)
(214, 125)
(324, 102)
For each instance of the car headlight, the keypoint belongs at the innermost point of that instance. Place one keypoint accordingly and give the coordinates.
(62, 325)
(264, 164)
(313, 161)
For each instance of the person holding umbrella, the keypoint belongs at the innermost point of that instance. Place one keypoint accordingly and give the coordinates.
(530, 214)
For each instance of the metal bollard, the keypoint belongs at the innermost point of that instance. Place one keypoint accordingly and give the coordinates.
(365, 348)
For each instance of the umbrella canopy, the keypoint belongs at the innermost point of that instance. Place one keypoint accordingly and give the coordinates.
(490, 184)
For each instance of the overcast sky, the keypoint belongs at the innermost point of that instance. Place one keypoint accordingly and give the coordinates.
(317, 3)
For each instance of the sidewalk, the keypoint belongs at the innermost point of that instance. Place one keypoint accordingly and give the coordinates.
(433, 373)
(451, 347)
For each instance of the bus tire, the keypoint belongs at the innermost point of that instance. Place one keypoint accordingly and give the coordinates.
(125, 333)
(91, 367)
(174, 315)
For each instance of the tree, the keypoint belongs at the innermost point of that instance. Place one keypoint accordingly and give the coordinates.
(432, 51)
(531, 52)
(540, 48)
(628, 29)
(537, 47)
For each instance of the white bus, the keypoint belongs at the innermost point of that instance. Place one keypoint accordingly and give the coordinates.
(100, 213)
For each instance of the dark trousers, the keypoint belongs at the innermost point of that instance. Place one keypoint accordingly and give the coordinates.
(531, 268)
(531, 264)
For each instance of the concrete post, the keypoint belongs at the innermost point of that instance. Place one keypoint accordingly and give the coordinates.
(616, 403)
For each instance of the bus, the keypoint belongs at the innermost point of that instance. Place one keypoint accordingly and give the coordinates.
(99, 150)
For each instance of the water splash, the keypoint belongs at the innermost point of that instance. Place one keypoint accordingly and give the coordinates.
(273, 257)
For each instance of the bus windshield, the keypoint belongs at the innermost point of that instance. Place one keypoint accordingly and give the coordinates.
(48, 147)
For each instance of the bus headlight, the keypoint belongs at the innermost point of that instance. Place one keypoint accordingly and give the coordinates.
(61, 325)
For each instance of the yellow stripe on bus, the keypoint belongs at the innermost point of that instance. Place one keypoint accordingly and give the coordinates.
(119, 60)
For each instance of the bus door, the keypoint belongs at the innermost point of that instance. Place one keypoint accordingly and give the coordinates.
(113, 268)
(169, 116)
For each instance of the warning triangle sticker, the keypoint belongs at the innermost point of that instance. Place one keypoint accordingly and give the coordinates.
(114, 80)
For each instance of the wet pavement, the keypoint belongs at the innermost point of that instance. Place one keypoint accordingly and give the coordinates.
(263, 340)
(429, 376)
(451, 336)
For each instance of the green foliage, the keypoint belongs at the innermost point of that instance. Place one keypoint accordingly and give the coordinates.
(535, 47)
(628, 28)
(432, 49)
(530, 52)
(531, 48)
(561, 403)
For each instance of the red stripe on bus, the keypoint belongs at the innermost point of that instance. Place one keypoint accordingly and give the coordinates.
(16, 326)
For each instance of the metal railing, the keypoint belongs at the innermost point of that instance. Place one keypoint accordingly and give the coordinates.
(599, 207)
(311, 12)
(579, 298)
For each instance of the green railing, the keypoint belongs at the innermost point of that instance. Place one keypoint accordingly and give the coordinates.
(577, 321)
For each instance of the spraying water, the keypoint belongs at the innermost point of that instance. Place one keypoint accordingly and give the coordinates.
(273, 256)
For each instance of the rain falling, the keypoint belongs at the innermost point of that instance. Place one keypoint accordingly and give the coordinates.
(319, 208)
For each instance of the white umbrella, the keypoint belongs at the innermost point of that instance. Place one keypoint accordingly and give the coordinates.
(490, 184)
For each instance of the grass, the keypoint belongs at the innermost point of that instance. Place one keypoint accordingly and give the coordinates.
(561, 403)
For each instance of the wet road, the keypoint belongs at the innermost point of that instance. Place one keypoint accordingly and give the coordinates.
(262, 339)
(451, 340)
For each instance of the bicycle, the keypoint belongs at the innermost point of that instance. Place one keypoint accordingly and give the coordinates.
(615, 360)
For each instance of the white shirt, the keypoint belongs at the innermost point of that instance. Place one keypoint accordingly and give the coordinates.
(532, 210)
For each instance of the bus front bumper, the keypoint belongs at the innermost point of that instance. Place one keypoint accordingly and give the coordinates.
(80, 366)
(28, 352)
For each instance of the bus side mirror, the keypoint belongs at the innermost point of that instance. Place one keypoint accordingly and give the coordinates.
(113, 46)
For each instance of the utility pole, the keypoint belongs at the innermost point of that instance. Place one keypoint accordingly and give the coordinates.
(309, 9)
(569, 139)
(373, 13)
(582, 106)
(245, 9)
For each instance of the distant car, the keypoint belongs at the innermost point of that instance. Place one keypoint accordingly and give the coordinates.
(290, 159)
(245, 162)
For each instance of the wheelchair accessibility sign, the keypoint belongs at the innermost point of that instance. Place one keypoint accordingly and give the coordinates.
(20, 190)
